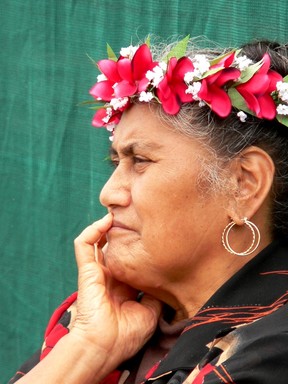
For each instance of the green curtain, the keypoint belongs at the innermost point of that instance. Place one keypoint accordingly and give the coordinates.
(52, 161)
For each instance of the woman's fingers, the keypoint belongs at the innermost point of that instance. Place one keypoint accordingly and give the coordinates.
(154, 305)
(100, 249)
(104, 303)
(85, 243)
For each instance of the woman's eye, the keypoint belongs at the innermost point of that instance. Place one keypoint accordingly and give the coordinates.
(139, 159)
(114, 162)
(135, 160)
(140, 163)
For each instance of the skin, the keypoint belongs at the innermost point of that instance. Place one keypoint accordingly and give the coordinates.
(166, 234)
(102, 304)
(163, 238)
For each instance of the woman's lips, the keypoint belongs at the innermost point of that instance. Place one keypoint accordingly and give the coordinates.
(116, 224)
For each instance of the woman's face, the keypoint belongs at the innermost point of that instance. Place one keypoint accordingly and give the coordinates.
(164, 227)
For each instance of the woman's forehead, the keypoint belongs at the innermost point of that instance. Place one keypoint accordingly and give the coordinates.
(142, 126)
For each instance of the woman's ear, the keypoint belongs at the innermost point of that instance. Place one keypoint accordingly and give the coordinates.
(253, 176)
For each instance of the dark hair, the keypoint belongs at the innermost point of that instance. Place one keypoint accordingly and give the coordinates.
(229, 136)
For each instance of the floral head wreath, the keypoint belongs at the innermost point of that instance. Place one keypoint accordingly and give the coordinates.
(230, 80)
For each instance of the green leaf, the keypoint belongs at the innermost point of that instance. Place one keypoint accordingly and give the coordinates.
(96, 107)
(283, 119)
(89, 57)
(88, 102)
(179, 49)
(111, 54)
(238, 101)
(211, 72)
(147, 40)
(219, 58)
(249, 72)
(94, 104)
(285, 79)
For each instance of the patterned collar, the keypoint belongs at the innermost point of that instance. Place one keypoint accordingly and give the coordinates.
(245, 297)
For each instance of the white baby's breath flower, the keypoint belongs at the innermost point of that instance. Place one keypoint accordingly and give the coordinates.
(242, 62)
(282, 109)
(110, 127)
(201, 65)
(157, 74)
(101, 77)
(108, 115)
(242, 116)
(194, 89)
(282, 89)
(150, 75)
(189, 77)
(163, 66)
(146, 96)
(129, 52)
(117, 103)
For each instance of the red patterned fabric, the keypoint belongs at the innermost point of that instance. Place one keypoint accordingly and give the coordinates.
(55, 328)
(239, 336)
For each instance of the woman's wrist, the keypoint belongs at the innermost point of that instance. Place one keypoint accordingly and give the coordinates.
(92, 356)
(73, 360)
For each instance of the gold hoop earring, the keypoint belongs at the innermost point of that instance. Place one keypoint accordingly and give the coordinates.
(255, 238)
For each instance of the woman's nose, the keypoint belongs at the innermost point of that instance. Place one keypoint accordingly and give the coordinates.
(116, 191)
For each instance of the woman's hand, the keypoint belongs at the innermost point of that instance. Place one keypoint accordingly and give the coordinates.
(110, 326)
(108, 315)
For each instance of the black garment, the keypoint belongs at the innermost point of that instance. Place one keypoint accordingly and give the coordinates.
(239, 336)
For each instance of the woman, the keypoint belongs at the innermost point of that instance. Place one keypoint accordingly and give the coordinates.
(185, 279)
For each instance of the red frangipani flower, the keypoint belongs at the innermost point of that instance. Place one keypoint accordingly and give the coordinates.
(230, 80)
(212, 87)
(171, 90)
(120, 80)
(106, 117)
(257, 91)
(125, 77)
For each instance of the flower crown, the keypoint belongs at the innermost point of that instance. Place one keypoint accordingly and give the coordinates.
(230, 80)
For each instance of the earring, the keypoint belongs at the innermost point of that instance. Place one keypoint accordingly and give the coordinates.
(255, 238)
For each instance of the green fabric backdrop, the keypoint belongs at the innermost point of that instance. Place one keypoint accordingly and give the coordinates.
(52, 162)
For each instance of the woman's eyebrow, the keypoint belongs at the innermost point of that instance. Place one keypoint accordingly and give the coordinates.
(131, 148)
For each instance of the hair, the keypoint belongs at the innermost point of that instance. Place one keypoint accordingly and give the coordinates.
(228, 137)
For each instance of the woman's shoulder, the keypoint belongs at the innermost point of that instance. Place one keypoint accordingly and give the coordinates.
(253, 352)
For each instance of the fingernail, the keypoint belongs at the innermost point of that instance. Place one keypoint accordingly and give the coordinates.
(107, 217)
(104, 220)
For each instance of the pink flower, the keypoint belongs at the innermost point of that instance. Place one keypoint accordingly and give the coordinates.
(103, 90)
(257, 91)
(171, 89)
(213, 91)
(106, 116)
(124, 77)
(225, 82)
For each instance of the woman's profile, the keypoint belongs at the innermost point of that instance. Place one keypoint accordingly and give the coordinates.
(185, 279)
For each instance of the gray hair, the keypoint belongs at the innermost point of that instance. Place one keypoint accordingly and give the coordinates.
(228, 137)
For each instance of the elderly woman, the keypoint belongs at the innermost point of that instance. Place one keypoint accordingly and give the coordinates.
(185, 279)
